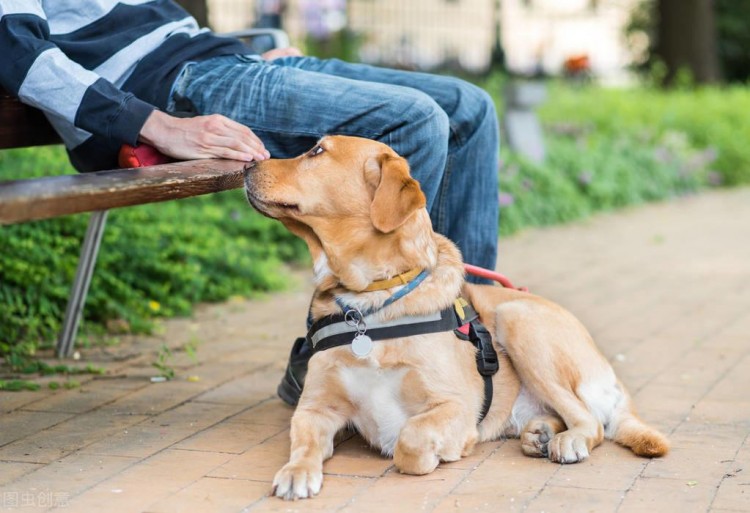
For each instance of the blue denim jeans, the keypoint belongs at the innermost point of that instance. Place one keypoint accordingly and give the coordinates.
(446, 128)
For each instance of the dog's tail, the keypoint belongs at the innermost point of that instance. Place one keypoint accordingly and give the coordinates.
(639, 437)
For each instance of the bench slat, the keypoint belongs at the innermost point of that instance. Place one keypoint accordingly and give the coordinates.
(42, 198)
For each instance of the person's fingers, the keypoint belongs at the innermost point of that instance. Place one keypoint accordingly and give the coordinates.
(244, 132)
(226, 153)
(208, 136)
(235, 135)
(216, 144)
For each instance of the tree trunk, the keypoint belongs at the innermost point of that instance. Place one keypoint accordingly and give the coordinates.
(686, 38)
(198, 9)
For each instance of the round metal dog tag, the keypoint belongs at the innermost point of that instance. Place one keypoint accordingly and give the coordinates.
(361, 345)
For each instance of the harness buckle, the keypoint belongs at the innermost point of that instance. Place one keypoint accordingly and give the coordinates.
(487, 362)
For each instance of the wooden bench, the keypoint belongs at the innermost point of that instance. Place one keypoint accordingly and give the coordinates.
(42, 198)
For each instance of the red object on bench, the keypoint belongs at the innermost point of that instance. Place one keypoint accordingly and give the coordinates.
(141, 155)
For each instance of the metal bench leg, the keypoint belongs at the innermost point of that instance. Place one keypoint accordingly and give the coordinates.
(86, 263)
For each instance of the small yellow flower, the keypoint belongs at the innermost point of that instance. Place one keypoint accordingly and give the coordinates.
(154, 305)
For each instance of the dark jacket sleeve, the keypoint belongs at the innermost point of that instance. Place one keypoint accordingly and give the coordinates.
(41, 75)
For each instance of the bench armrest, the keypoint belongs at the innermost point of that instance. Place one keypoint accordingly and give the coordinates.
(42, 198)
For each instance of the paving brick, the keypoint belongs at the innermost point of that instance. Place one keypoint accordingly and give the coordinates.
(161, 431)
(508, 473)
(259, 463)
(232, 437)
(699, 452)
(407, 493)
(67, 437)
(272, 411)
(481, 452)
(338, 494)
(12, 470)
(10, 401)
(20, 424)
(71, 475)
(211, 494)
(89, 396)
(610, 467)
(734, 490)
(148, 482)
(155, 398)
(484, 503)
(246, 390)
(660, 494)
(575, 500)
(355, 458)
(727, 401)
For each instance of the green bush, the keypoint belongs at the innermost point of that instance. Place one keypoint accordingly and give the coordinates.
(155, 260)
(709, 118)
(587, 173)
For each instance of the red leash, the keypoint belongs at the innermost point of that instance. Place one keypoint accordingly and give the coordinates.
(492, 275)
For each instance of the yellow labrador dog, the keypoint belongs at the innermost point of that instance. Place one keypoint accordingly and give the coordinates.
(419, 396)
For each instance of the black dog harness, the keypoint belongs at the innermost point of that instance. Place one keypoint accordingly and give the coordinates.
(360, 330)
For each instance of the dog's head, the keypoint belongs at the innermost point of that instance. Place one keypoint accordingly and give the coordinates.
(354, 203)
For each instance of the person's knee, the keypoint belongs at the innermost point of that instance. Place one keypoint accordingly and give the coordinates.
(478, 102)
(474, 114)
(424, 120)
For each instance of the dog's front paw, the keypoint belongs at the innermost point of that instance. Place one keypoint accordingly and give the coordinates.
(567, 447)
(415, 452)
(299, 480)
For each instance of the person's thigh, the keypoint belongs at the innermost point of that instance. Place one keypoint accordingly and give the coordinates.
(290, 107)
(464, 103)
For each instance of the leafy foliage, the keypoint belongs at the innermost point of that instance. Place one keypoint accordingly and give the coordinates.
(709, 118)
(587, 174)
(155, 260)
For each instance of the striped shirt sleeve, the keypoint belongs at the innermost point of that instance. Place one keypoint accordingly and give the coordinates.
(41, 75)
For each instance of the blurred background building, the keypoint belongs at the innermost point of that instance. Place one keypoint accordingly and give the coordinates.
(538, 36)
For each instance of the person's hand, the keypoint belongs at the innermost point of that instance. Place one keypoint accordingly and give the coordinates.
(278, 53)
(202, 137)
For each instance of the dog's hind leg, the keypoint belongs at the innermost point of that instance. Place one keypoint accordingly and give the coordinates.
(584, 431)
(556, 359)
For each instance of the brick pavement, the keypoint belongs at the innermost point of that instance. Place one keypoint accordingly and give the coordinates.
(665, 289)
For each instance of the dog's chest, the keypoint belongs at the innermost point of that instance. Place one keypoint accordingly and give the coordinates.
(381, 412)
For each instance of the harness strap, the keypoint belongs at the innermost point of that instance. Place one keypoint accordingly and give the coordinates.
(477, 334)
(334, 331)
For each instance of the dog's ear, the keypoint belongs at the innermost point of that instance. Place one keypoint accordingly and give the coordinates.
(397, 195)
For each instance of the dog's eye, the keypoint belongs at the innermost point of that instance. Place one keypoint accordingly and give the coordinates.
(317, 150)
